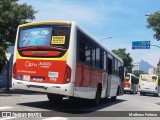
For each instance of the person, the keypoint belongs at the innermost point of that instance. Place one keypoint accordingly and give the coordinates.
(26, 40)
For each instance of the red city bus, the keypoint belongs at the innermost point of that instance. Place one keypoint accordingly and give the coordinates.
(61, 59)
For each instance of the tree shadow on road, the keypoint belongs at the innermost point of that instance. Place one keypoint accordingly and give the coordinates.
(79, 107)
(7, 93)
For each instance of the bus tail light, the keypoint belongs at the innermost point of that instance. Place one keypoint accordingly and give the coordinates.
(67, 76)
(14, 71)
(126, 84)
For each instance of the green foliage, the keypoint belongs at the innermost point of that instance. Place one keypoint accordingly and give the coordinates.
(159, 76)
(2, 55)
(121, 52)
(138, 72)
(2, 51)
(154, 23)
(13, 14)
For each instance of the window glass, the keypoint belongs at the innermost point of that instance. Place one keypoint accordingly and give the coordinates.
(97, 57)
(88, 53)
(93, 55)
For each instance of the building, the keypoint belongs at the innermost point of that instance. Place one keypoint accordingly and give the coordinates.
(158, 68)
(152, 71)
(135, 67)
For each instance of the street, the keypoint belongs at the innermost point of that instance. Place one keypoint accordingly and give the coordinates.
(76, 109)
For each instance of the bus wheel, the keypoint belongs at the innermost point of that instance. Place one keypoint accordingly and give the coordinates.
(54, 98)
(114, 98)
(98, 96)
(141, 93)
(156, 95)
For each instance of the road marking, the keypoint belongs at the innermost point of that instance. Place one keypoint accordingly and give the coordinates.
(5, 107)
(56, 118)
(8, 118)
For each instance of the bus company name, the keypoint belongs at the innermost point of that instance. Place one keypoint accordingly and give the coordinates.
(41, 64)
(39, 52)
(30, 64)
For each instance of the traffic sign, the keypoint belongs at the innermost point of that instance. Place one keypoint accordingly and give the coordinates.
(141, 45)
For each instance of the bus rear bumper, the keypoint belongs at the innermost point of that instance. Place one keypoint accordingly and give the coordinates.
(62, 89)
(148, 91)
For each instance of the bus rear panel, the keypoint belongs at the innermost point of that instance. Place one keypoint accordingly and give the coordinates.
(40, 62)
(131, 83)
(149, 84)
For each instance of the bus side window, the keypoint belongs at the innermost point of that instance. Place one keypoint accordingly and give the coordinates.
(105, 61)
(101, 59)
(132, 80)
(109, 66)
(82, 52)
(88, 53)
(97, 57)
(93, 55)
(113, 66)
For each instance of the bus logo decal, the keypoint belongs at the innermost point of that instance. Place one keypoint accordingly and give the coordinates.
(45, 32)
(19, 77)
(29, 64)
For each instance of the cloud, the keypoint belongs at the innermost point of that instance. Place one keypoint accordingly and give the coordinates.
(56, 10)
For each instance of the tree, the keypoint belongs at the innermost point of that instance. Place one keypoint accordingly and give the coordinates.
(121, 52)
(154, 23)
(158, 76)
(138, 72)
(13, 14)
(2, 56)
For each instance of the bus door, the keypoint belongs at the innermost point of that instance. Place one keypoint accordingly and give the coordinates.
(110, 71)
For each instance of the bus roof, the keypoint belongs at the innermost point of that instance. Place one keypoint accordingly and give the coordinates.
(132, 74)
(72, 22)
(46, 22)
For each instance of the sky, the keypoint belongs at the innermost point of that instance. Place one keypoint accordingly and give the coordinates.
(124, 20)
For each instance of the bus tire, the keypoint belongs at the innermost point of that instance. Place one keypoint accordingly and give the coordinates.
(141, 93)
(156, 95)
(115, 97)
(98, 96)
(54, 98)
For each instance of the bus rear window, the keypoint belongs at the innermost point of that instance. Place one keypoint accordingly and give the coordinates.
(44, 36)
(127, 78)
(149, 78)
(50, 39)
(35, 37)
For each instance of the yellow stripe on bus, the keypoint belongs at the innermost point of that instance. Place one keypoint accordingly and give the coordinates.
(45, 22)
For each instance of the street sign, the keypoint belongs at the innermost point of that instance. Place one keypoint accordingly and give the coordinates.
(141, 45)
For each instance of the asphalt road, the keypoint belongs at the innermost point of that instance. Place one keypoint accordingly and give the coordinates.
(37, 104)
